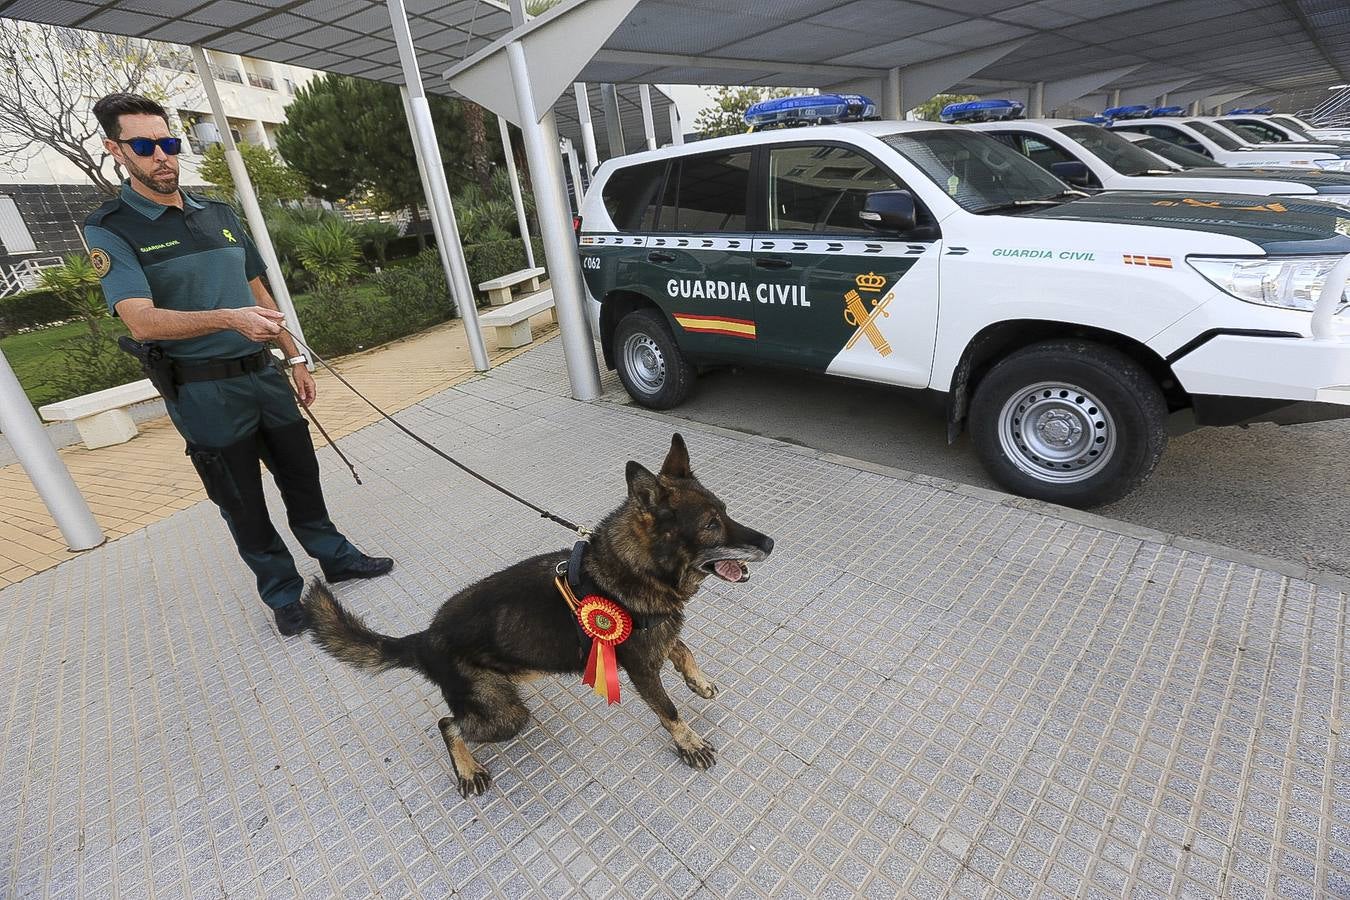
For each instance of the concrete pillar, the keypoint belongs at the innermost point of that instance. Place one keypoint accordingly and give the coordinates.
(443, 221)
(892, 98)
(252, 211)
(43, 465)
(676, 126)
(522, 221)
(1115, 97)
(555, 222)
(1038, 100)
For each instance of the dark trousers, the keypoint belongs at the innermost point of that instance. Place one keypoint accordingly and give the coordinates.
(231, 425)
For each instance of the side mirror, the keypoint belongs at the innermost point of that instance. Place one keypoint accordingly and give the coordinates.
(1072, 172)
(889, 211)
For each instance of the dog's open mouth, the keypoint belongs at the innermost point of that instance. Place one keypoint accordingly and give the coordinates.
(732, 570)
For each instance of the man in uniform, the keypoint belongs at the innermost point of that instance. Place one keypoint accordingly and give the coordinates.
(181, 272)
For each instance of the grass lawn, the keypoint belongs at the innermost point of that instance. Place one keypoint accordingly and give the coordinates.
(33, 357)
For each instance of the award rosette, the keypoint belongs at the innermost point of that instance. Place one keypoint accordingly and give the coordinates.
(608, 625)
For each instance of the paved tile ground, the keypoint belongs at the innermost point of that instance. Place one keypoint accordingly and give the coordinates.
(132, 485)
(924, 694)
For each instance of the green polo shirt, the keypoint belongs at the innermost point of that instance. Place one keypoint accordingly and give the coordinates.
(195, 258)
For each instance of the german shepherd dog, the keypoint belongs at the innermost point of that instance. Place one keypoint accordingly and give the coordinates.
(650, 555)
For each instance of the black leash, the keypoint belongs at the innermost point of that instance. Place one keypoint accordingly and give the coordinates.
(309, 414)
(571, 526)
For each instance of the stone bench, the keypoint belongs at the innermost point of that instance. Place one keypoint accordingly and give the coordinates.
(499, 289)
(512, 321)
(102, 418)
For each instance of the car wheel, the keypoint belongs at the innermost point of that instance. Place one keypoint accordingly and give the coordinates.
(1071, 422)
(651, 366)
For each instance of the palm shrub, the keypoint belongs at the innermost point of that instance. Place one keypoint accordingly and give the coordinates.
(374, 238)
(329, 252)
(92, 361)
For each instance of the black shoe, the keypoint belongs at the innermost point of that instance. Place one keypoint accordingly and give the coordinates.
(291, 618)
(365, 567)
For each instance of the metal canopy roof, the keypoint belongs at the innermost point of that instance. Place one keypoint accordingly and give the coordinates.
(350, 37)
(1267, 45)
(1260, 45)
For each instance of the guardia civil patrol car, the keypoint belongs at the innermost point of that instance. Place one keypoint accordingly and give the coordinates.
(1092, 157)
(1220, 145)
(1066, 332)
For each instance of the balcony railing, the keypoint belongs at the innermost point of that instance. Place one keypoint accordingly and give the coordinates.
(220, 73)
(262, 81)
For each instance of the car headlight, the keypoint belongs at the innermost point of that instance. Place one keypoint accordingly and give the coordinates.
(1333, 165)
(1292, 282)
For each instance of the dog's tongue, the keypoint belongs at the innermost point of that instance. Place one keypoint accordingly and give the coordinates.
(730, 570)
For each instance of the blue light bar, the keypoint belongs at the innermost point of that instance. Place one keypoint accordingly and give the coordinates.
(1096, 120)
(1254, 111)
(1138, 111)
(981, 111)
(810, 109)
(1169, 111)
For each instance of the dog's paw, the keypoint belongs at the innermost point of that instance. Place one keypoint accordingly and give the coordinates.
(702, 757)
(704, 688)
(476, 783)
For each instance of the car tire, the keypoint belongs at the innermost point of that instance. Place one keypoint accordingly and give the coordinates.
(1070, 422)
(651, 365)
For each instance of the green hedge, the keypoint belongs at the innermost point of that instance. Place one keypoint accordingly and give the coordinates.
(30, 309)
(496, 258)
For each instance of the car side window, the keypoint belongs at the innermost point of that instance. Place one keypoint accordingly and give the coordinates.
(1043, 153)
(631, 195)
(706, 193)
(1173, 136)
(821, 189)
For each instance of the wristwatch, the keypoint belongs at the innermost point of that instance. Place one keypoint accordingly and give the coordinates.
(299, 360)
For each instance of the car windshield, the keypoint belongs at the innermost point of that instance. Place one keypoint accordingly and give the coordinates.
(1293, 125)
(1246, 132)
(976, 171)
(1112, 149)
(1179, 155)
(1225, 140)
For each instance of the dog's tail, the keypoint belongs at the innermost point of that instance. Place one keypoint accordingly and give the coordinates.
(346, 637)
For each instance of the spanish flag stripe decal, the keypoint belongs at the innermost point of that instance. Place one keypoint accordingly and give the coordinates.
(741, 328)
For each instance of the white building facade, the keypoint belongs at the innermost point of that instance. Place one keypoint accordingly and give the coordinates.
(43, 206)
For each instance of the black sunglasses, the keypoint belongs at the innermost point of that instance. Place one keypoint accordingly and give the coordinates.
(146, 146)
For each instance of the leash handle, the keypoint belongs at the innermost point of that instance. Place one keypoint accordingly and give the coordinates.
(543, 513)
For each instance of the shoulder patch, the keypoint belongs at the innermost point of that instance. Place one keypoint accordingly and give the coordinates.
(101, 262)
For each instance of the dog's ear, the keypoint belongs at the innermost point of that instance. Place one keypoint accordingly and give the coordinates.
(677, 460)
(643, 486)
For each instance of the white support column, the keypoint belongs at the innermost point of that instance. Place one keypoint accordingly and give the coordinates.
(587, 126)
(892, 101)
(244, 187)
(676, 126)
(541, 149)
(43, 465)
(417, 155)
(609, 102)
(578, 190)
(1115, 97)
(1038, 100)
(648, 124)
(1162, 99)
(442, 209)
(522, 222)
(1195, 107)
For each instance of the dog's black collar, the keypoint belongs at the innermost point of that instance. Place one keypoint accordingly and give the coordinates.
(582, 586)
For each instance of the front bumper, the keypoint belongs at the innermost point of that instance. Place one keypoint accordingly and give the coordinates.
(1248, 378)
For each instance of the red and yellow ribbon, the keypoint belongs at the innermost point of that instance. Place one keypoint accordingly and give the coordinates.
(608, 625)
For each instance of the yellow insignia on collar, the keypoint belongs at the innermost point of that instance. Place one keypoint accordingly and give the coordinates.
(101, 262)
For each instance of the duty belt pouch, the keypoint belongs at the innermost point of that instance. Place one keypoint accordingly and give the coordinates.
(155, 363)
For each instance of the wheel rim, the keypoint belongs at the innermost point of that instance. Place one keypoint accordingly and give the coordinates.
(645, 362)
(1057, 432)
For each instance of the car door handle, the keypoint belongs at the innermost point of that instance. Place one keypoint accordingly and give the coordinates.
(657, 256)
(772, 263)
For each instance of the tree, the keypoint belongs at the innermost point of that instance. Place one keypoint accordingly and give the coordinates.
(931, 109)
(272, 179)
(49, 78)
(349, 138)
(727, 114)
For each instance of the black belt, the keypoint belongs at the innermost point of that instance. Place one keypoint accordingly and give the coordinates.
(215, 369)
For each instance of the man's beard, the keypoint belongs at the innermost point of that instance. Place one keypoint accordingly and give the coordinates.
(161, 182)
